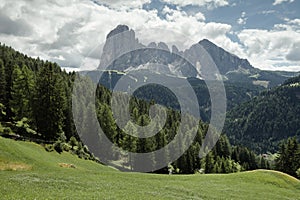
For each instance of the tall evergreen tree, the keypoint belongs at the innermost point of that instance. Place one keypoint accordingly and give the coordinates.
(49, 102)
(22, 93)
(288, 160)
(209, 163)
(2, 82)
(129, 143)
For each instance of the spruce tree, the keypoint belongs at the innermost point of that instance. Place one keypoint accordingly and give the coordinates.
(49, 102)
(2, 82)
(22, 92)
(129, 143)
(209, 163)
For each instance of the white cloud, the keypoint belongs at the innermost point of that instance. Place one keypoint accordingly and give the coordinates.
(206, 3)
(184, 30)
(199, 16)
(277, 2)
(243, 14)
(294, 53)
(123, 4)
(67, 32)
(243, 19)
(272, 49)
(60, 35)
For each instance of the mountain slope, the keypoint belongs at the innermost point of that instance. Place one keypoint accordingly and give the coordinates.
(267, 119)
(88, 180)
(236, 69)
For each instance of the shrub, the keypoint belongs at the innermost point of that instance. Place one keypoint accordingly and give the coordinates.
(58, 146)
(66, 147)
(49, 147)
(23, 127)
(73, 142)
(298, 172)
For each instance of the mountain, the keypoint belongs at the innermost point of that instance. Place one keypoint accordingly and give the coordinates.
(123, 52)
(260, 123)
(225, 61)
(267, 119)
(235, 69)
(125, 57)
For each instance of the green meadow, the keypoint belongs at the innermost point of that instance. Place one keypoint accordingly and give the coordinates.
(27, 171)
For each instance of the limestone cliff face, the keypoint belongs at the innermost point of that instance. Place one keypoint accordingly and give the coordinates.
(118, 42)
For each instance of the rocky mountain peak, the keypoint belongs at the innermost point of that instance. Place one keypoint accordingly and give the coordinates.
(119, 29)
(119, 41)
(225, 61)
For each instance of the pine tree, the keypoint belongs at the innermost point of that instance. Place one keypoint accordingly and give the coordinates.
(145, 145)
(107, 122)
(9, 63)
(2, 82)
(129, 142)
(289, 157)
(209, 163)
(22, 93)
(49, 102)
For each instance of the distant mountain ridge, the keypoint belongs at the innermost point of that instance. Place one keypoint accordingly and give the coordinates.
(123, 52)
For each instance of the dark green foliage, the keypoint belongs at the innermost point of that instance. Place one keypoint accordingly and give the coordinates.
(288, 160)
(245, 157)
(49, 147)
(50, 101)
(209, 163)
(22, 92)
(2, 82)
(23, 128)
(226, 159)
(38, 92)
(298, 173)
(263, 122)
(2, 111)
(58, 146)
(73, 142)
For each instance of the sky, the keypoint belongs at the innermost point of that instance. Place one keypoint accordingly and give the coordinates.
(71, 33)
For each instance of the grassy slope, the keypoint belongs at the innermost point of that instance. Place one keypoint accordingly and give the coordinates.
(43, 178)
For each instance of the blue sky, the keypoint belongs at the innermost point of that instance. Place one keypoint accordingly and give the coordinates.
(266, 32)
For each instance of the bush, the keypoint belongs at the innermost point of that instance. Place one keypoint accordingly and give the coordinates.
(23, 127)
(49, 147)
(66, 147)
(81, 154)
(73, 142)
(58, 146)
(298, 172)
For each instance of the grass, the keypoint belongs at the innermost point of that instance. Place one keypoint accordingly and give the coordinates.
(64, 176)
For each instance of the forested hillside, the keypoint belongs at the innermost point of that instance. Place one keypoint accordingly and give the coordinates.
(267, 119)
(35, 97)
